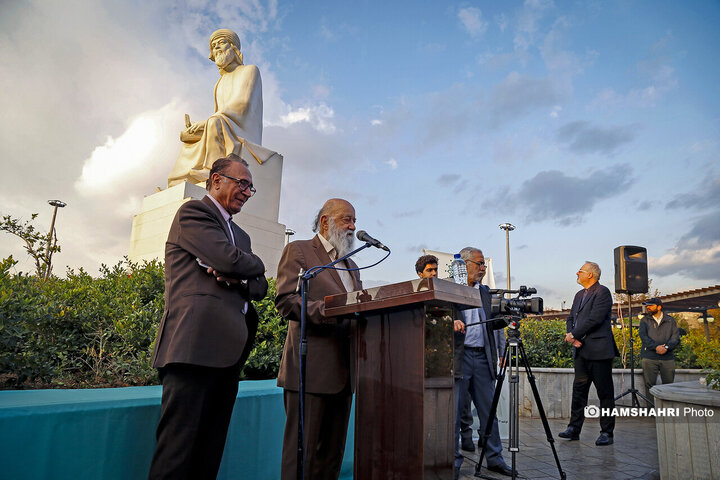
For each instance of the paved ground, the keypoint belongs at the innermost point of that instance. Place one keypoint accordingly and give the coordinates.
(632, 456)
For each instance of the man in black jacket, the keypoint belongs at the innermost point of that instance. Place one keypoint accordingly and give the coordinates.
(660, 336)
(590, 332)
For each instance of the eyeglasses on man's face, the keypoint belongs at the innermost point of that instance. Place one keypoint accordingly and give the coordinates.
(479, 264)
(242, 184)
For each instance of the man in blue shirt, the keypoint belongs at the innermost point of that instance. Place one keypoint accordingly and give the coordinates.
(481, 344)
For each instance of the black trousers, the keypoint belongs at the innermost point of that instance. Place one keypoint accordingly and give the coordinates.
(197, 404)
(599, 373)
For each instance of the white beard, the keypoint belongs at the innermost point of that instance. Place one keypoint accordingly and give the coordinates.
(342, 240)
(223, 59)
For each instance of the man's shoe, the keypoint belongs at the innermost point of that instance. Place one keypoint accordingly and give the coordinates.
(604, 439)
(571, 433)
(467, 445)
(502, 469)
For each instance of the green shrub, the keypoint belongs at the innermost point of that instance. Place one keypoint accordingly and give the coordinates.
(622, 340)
(264, 360)
(81, 331)
(544, 342)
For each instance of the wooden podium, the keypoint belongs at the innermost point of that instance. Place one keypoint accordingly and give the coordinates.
(404, 376)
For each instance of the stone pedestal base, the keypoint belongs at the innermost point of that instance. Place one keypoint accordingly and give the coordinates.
(151, 226)
(688, 443)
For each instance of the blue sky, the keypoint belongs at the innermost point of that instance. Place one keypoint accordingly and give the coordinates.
(588, 125)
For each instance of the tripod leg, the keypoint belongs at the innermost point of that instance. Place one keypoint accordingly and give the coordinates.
(493, 408)
(543, 417)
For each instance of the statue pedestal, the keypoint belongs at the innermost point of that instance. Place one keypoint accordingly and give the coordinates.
(151, 226)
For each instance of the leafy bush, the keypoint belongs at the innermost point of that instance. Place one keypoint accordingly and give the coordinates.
(264, 360)
(80, 331)
(544, 342)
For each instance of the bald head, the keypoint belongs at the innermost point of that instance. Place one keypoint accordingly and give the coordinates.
(336, 209)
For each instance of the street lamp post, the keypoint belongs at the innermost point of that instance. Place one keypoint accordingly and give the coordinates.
(507, 227)
(56, 204)
(288, 233)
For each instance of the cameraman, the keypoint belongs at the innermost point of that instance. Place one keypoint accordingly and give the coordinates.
(479, 348)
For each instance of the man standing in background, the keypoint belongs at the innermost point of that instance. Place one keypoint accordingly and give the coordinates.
(660, 335)
(590, 333)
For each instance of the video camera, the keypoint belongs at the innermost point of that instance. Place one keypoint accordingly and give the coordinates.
(515, 308)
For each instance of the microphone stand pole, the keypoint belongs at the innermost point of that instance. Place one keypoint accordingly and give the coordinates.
(306, 277)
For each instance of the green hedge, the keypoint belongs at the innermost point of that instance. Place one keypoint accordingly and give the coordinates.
(84, 331)
(80, 331)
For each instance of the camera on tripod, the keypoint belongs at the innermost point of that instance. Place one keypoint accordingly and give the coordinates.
(513, 309)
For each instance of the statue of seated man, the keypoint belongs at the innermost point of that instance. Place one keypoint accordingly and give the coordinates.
(236, 125)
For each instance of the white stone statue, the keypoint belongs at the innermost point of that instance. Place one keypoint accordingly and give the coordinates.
(236, 125)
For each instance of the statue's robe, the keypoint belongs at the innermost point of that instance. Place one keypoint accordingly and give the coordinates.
(235, 127)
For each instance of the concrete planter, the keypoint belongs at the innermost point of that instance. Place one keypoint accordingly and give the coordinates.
(688, 444)
(555, 388)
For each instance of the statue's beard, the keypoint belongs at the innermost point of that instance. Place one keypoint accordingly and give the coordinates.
(223, 59)
(341, 239)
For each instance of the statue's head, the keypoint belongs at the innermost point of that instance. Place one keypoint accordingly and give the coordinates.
(231, 38)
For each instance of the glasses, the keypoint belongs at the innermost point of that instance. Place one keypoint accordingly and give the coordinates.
(241, 183)
(479, 264)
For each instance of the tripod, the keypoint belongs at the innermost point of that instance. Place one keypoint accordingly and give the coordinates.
(632, 391)
(514, 352)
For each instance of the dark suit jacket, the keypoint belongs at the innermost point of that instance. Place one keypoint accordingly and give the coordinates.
(203, 323)
(328, 367)
(589, 322)
(495, 333)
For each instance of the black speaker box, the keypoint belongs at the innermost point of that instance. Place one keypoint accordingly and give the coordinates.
(631, 272)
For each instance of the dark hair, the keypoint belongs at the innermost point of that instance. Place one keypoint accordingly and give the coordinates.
(221, 165)
(423, 261)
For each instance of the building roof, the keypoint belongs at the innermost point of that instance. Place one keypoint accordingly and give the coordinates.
(697, 300)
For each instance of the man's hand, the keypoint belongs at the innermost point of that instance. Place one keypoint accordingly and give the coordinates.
(220, 278)
(569, 337)
(661, 349)
(459, 326)
(576, 343)
(501, 363)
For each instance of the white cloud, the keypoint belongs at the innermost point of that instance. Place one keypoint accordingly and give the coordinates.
(375, 122)
(127, 166)
(527, 22)
(699, 263)
(472, 21)
(392, 163)
(318, 116)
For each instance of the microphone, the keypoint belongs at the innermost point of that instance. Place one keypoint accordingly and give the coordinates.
(363, 236)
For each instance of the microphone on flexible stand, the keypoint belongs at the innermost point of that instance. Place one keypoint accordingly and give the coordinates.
(363, 236)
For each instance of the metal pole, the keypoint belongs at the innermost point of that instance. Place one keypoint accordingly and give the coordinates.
(48, 257)
(288, 233)
(507, 227)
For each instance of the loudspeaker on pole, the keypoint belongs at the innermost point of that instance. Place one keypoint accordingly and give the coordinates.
(631, 271)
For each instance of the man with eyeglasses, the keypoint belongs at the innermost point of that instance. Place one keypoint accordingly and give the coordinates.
(590, 332)
(329, 366)
(208, 326)
(477, 350)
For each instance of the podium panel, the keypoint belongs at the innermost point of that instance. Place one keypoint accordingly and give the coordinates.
(404, 380)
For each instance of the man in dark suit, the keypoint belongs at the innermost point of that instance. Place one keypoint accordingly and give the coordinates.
(477, 349)
(208, 326)
(329, 367)
(590, 332)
